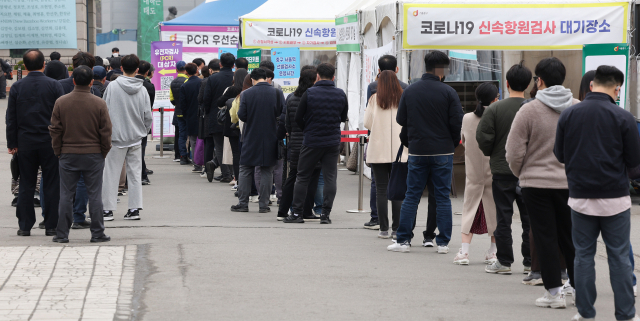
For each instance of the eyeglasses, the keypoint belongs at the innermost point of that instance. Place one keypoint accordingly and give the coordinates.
(535, 79)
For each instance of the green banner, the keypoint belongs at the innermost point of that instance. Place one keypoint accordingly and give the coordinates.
(610, 54)
(149, 15)
(252, 55)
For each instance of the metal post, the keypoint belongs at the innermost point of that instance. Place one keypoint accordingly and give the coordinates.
(363, 140)
(161, 109)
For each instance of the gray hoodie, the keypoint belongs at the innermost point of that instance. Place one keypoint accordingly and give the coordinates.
(557, 98)
(128, 104)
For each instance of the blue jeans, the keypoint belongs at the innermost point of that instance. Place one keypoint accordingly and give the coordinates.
(615, 234)
(182, 140)
(319, 197)
(420, 167)
(633, 263)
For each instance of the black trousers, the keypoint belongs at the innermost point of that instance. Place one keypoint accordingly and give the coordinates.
(29, 161)
(144, 165)
(208, 148)
(550, 218)
(382, 172)
(287, 192)
(309, 157)
(3, 85)
(235, 150)
(176, 143)
(504, 193)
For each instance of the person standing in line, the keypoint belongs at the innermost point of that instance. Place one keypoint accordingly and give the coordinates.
(296, 136)
(321, 111)
(144, 70)
(201, 64)
(116, 68)
(81, 139)
(5, 72)
(55, 68)
(216, 85)
(259, 109)
(206, 72)
(529, 152)
(242, 63)
(180, 143)
(214, 68)
(478, 209)
(432, 114)
(491, 136)
(189, 104)
(384, 144)
(128, 104)
(99, 77)
(599, 142)
(31, 102)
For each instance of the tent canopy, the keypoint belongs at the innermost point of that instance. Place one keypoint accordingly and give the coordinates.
(299, 9)
(216, 13)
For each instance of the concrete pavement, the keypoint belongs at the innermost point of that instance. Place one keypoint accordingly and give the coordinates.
(196, 260)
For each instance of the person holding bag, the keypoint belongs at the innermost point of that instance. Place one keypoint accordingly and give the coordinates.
(384, 144)
(478, 209)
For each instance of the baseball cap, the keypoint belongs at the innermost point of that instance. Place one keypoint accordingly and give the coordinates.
(99, 72)
(180, 65)
(106, 62)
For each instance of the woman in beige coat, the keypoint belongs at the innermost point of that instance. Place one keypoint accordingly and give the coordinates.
(479, 209)
(384, 144)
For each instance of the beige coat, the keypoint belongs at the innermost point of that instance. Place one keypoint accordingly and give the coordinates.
(384, 141)
(479, 178)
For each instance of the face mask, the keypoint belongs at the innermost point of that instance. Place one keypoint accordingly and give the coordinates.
(115, 54)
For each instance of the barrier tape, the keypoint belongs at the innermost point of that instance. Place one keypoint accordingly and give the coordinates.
(354, 132)
(349, 140)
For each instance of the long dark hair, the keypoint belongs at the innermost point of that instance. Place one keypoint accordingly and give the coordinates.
(238, 77)
(306, 81)
(485, 94)
(389, 90)
(585, 84)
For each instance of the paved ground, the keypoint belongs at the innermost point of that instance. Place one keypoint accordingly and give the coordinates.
(190, 258)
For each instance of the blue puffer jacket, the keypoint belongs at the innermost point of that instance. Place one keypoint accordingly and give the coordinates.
(322, 109)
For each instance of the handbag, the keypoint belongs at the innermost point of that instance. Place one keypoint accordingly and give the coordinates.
(198, 154)
(352, 162)
(397, 187)
(222, 115)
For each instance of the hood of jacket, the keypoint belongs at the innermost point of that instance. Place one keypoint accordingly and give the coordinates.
(557, 98)
(130, 85)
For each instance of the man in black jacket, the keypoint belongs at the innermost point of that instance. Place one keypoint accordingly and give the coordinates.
(189, 104)
(180, 138)
(432, 113)
(29, 109)
(322, 109)
(143, 72)
(5, 72)
(99, 77)
(216, 84)
(598, 142)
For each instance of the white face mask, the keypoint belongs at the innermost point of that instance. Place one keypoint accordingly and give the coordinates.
(115, 54)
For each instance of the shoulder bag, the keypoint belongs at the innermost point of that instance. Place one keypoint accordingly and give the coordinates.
(397, 187)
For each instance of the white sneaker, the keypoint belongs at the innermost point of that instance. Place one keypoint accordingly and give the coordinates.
(552, 301)
(427, 243)
(203, 175)
(233, 182)
(273, 198)
(443, 249)
(280, 218)
(635, 290)
(567, 289)
(384, 235)
(490, 258)
(578, 317)
(254, 199)
(461, 258)
(234, 188)
(397, 247)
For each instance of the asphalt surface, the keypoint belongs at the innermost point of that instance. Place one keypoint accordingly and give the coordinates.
(196, 260)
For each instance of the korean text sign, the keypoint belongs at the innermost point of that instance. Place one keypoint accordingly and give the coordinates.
(202, 36)
(164, 57)
(513, 26)
(149, 15)
(611, 54)
(348, 38)
(286, 62)
(41, 24)
(253, 57)
(305, 34)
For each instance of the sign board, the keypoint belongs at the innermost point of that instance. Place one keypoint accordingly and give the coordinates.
(41, 24)
(348, 37)
(164, 56)
(286, 62)
(536, 26)
(611, 54)
(252, 55)
(288, 85)
(370, 72)
(305, 34)
(149, 15)
(464, 54)
(202, 36)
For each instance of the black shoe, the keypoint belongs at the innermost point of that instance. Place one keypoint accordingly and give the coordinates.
(36, 202)
(226, 180)
(372, 224)
(50, 232)
(293, 219)
(218, 178)
(149, 172)
(197, 169)
(81, 225)
(324, 219)
(264, 210)
(235, 194)
(210, 167)
(57, 239)
(122, 193)
(100, 239)
(238, 208)
(145, 181)
(24, 233)
(133, 216)
(41, 225)
(311, 217)
(185, 161)
(14, 203)
(107, 216)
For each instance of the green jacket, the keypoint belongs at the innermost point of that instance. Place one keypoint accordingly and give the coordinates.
(493, 131)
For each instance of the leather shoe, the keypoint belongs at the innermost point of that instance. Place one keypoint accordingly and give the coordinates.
(84, 224)
(149, 172)
(24, 233)
(100, 239)
(41, 225)
(50, 232)
(218, 178)
(57, 239)
(239, 208)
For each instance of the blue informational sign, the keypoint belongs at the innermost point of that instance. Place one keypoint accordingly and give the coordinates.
(286, 62)
(234, 51)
